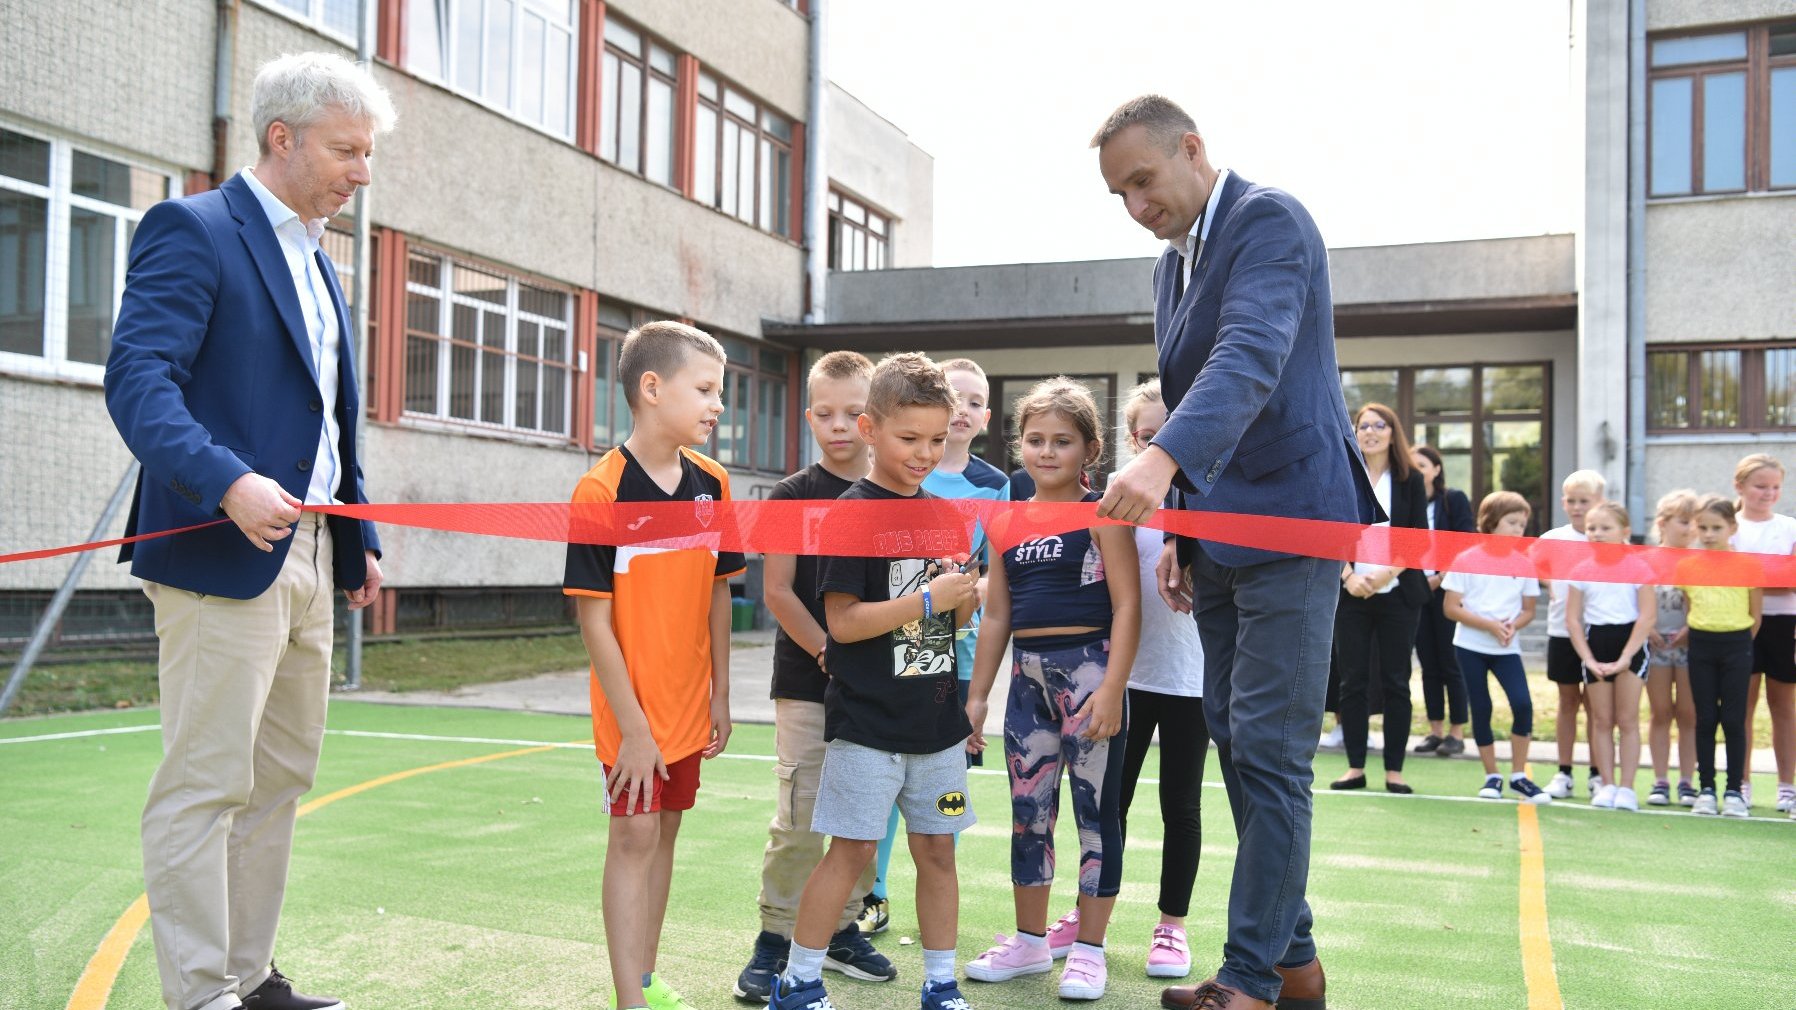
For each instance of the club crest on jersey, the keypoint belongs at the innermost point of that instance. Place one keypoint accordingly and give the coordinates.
(704, 507)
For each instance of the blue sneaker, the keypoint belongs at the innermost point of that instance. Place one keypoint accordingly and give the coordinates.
(755, 983)
(852, 954)
(786, 994)
(944, 996)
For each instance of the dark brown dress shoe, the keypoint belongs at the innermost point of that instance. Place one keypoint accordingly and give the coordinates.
(1210, 995)
(1303, 987)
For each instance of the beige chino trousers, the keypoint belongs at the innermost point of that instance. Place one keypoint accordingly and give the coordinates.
(793, 849)
(244, 689)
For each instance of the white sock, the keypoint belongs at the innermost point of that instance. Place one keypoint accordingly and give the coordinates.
(1034, 941)
(938, 965)
(803, 964)
(1515, 777)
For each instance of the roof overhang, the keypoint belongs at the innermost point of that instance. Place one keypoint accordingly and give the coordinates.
(1528, 314)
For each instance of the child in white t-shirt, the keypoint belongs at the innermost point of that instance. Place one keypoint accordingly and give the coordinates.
(1758, 481)
(1610, 612)
(1491, 610)
(1578, 493)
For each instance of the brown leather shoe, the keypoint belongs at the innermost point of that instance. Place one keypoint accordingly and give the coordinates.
(1210, 995)
(1303, 987)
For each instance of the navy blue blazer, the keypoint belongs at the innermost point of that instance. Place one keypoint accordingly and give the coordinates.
(1247, 369)
(211, 377)
(1453, 512)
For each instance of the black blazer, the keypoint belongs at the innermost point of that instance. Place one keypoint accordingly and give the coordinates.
(1409, 507)
(1454, 513)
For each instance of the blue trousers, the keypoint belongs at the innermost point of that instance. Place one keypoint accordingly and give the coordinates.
(1507, 668)
(1266, 630)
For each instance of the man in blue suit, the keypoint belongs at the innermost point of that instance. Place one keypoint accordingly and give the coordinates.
(232, 380)
(1244, 325)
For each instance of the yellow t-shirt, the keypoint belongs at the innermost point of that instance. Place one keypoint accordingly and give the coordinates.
(1719, 608)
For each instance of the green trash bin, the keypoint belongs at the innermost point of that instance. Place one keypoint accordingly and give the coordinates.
(742, 614)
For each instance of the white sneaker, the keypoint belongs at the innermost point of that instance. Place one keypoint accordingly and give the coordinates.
(1626, 799)
(1605, 797)
(1734, 805)
(1746, 792)
(1786, 799)
(1332, 738)
(1705, 804)
(1594, 783)
(1560, 787)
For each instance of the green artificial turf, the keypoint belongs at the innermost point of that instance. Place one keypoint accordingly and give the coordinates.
(478, 886)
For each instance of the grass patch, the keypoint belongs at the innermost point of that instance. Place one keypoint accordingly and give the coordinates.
(400, 665)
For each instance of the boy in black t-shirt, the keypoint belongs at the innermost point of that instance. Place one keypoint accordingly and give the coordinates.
(892, 715)
(838, 395)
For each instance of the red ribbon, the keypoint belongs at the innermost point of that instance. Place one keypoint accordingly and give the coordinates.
(942, 527)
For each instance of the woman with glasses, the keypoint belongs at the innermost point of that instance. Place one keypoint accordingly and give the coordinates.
(1448, 509)
(1375, 623)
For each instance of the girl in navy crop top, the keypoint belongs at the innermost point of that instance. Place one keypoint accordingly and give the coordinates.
(1072, 602)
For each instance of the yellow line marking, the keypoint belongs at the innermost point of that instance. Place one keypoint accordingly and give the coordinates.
(97, 979)
(1537, 945)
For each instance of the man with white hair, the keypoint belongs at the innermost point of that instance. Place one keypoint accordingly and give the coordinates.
(232, 380)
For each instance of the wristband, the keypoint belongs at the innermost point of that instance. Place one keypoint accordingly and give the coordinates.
(928, 608)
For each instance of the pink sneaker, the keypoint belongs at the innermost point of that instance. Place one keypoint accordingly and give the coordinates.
(1084, 975)
(1012, 957)
(1168, 956)
(1063, 934)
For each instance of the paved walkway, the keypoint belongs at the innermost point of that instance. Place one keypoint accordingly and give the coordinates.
(751, 676)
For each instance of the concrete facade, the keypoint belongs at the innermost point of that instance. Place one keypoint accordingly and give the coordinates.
(1600, 417)
(869, 155)
(458, 175)
(1717, 269)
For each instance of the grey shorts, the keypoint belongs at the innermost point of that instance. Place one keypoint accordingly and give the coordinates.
(860, 784)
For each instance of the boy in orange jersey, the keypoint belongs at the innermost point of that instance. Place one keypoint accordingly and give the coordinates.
(656, 625)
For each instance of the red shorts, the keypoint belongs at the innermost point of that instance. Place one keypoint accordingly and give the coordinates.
(676, 792)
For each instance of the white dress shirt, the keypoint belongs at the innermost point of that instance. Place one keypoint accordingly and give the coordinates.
(1192, 244)
(1382, 491)
(299, 244)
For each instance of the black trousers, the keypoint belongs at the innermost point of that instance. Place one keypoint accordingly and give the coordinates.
(1386, 625)
(1184, 744)
(1440, 664)
(1720, 671)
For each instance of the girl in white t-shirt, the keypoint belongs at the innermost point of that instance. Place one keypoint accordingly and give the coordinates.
(1609, 614)
(1166, 690)
(1491, 611)
(1759, 480)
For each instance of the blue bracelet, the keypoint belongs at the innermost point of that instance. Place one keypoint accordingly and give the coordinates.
(928, 608)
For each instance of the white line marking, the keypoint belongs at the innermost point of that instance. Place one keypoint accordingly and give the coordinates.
(82, 733)
(1360, 795)
(370, 734)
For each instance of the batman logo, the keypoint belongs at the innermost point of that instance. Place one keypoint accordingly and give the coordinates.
(952, 804)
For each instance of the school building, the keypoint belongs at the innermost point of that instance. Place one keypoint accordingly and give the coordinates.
(563, 169)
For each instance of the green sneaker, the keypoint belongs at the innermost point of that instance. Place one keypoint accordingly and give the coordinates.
(662, 996)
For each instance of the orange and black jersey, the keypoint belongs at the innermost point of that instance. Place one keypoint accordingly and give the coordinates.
(660, 603)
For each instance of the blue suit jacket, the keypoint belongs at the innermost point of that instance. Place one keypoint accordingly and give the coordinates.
(1247, 369)
(210, 377)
